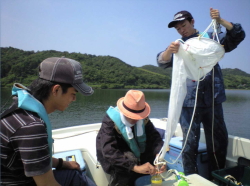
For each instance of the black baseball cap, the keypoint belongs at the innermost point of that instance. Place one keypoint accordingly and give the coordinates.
(64, 70)
(180, 16)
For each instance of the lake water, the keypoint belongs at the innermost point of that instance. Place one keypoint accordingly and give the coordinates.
(91, 109)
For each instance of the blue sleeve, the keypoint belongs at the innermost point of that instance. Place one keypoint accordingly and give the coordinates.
(232, 38)
(164, 65)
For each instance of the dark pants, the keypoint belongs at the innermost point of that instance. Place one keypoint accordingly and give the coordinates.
(72, 178)
(220, 137)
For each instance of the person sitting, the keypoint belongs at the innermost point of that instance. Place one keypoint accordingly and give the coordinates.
(26, 135)
(127, 142)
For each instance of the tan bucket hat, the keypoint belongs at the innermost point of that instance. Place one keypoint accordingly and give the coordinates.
(133, 105)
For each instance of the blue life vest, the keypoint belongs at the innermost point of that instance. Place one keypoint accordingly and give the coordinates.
(137, 145)
(27, 102)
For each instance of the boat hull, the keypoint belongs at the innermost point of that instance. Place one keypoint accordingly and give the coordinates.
(83, 138)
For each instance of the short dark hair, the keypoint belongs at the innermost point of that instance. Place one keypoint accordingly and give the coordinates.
(189, 19)
(40, 88)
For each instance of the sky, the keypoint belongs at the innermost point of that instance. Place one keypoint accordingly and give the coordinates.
(131, 30)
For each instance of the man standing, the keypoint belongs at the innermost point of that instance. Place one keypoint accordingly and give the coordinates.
(26, 136)
(127, 142)
(211, 89)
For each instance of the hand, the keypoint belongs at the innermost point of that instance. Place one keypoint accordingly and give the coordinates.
(162, 169)
(173, 47)
(215, 14)
(146, 168)
(71, 165)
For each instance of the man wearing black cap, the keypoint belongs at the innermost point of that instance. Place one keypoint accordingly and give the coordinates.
(211, 90)
(26, 136)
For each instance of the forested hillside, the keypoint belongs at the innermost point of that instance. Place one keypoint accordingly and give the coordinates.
(233, 78)
(100, 71)
(236, 79)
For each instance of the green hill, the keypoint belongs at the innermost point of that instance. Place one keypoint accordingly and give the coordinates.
(167, 72)
(236, 71)
(100, 71)
(236, 79)
(233, 78)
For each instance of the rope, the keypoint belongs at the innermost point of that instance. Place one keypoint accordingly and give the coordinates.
(213, 122)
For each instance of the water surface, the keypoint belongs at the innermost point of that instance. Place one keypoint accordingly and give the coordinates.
(91, 109)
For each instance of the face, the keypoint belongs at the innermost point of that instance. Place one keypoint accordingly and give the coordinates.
(131, 121)
(63, 100)
(185, 28)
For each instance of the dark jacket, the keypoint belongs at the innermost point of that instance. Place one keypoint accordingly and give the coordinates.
(115, 155)
(230, 41)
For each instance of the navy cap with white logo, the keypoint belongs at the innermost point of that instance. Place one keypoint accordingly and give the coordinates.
(180, 16)
(64, 70)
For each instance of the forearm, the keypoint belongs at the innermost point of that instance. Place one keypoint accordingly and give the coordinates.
(115, 154)
(164, 59)
(145, 168)
(65, 164)
(121, 160)
(166, 55)
(226, 24)
(164, 64)
(55, 162)
(233, 37)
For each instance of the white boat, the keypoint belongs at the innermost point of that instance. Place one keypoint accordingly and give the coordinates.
(83, 139)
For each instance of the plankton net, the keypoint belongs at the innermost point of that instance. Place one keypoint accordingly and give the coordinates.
(195, 58)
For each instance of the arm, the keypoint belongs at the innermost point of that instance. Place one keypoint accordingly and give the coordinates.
(234, 35)
(112, 148)
(215, 14)
(172, 49)
(47, 179)
(36, 160)
(165, 58)
(145, 168)
(153, 146)
(66, 164)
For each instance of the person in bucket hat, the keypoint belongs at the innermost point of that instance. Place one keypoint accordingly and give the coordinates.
(26, 140)
(127, 142)
(211, 93)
